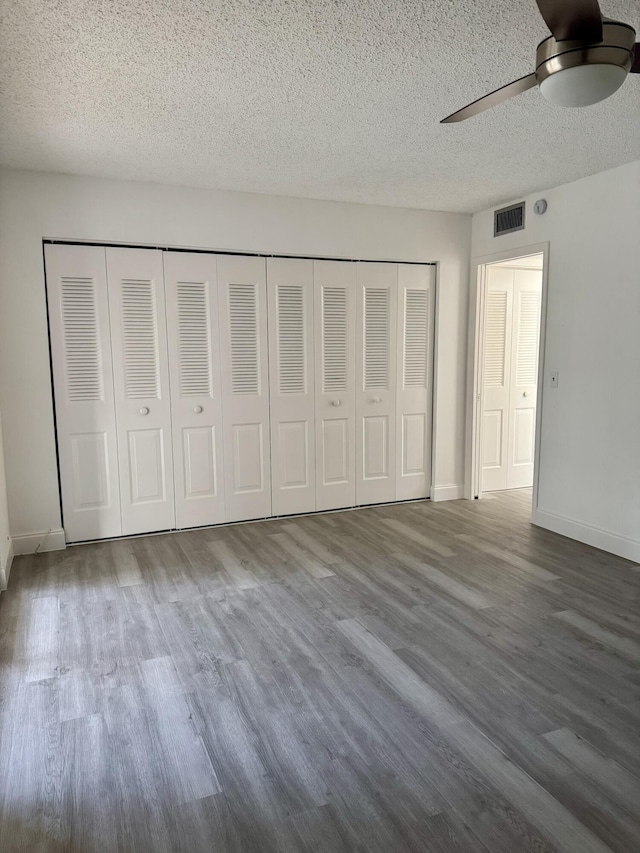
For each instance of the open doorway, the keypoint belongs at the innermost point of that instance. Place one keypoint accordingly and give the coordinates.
(508, 323)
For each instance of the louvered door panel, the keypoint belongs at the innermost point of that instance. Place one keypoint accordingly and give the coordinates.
(527, 293)
(141, 381)
(335, 370)
(196, 387)
(83, 387)
(416, 292)
(291, 383)
(376, 382)
(245, 383)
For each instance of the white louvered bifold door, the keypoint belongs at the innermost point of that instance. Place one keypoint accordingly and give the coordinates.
(335, 373)
(527, 293)
(83, 385)
(245, 383)
(141, 380)
(416, 292)
(291, 384)
(377, 298)
(496, 378)
(196, 392)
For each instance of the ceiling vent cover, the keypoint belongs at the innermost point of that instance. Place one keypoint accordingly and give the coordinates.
(508, 219)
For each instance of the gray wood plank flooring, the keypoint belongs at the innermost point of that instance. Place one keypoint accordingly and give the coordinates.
(416, 677)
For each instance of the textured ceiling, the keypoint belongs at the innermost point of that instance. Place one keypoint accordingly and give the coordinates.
(334, 99)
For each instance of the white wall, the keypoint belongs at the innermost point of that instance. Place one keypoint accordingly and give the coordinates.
(589, 485)
(5, 539)
(36, 205)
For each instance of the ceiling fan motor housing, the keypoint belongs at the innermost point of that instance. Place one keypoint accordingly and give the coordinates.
(575, 74)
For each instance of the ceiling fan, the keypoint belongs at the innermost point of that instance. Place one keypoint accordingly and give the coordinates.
(584, 60)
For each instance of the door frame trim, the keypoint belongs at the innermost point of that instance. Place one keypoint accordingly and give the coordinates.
(475, 362)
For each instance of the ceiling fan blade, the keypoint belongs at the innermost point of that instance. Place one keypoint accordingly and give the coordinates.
(490, 100)
(635, 68)
(572, 20)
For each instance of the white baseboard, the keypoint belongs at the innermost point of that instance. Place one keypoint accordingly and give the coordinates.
(622, 546)
(5, 566)
(46, 540)
(453, 492)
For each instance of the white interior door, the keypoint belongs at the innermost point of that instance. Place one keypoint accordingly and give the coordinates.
(496, 378)
(512, 331)
(245, 383)
(335, 285)
(527, 294)
(141, 381)
(83, 385)
(196, 392)
(291, 385)
(377, 297)
(416, 294)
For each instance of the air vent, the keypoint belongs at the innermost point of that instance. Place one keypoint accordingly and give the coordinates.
(508, 219)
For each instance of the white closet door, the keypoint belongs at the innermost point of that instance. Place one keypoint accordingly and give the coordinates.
(377, 297)
(83, 382)
(291, 384)
(141, 378)
(196, 393)
(245, 383)
(335, 314)
(416, 291)
(497, 378)
(527, 293)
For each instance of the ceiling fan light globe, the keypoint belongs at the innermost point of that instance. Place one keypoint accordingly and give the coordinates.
(582, 85)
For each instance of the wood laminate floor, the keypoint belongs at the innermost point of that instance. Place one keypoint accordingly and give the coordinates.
(416, 677)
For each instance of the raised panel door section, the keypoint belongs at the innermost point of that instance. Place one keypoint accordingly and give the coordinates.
(141, 381)
(376, 333)
(527, 296)
(496, 378)
(291, 385)
(245, 383)
(335, 285)
(83, 387)
(416, 297)
(196, 387)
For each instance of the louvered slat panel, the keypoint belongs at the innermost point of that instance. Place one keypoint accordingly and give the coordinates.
(83, 359)
(194, 339)
(376, 338)
(291, 348)
(527, 353)
(495, 338)
(334, 339)
(140, 340)
(243, 328)
(416, 338)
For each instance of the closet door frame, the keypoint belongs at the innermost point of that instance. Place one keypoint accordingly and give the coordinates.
(323, 415)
